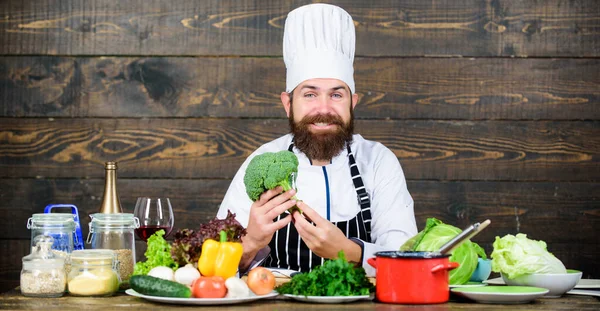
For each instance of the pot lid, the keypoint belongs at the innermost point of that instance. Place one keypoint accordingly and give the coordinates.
(411, 254)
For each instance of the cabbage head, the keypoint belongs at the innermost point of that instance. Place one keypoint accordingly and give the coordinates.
(517, 255)
(434, 236)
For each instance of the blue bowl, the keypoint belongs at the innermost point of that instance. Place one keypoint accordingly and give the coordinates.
(483, 270)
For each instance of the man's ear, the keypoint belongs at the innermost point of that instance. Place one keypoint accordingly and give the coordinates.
(285, 100)
(354, 100)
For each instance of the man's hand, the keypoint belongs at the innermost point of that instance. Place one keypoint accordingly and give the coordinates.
(324, 238)
(261, 226)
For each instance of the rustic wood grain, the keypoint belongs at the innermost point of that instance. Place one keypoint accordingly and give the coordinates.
(535, 208)
(396, 88)
(255, 27)
(215, 148)
(515, 140)
(13, 300)
(194, 201)
(11, 262)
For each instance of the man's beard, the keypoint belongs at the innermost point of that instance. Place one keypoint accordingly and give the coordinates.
(321, 146)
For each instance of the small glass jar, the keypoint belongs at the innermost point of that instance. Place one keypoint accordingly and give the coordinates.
(93, 273)
(60, 226)
(43, 273)
(116, 232)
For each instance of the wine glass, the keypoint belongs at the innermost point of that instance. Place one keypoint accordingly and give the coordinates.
(154, 214)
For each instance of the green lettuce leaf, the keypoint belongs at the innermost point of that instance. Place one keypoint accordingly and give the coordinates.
(436, 234)
(157, 254)
(409, 245)
(518, 255)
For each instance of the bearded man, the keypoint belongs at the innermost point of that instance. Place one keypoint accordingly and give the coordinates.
(353, 191)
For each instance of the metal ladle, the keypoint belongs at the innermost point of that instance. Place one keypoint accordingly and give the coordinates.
(468, 233)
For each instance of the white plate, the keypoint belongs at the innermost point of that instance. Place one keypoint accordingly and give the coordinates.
(469, 284)
(199, 301)
(282, 273)
(584, 292)
(495, 281)
(588, 283)
(328, 299)
(582, 284)
(501, 294)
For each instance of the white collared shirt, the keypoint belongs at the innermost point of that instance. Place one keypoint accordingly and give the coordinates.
(393, 221)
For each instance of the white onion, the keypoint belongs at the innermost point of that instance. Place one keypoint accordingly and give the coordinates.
(236, 288)
(162, 272)
(186, 275)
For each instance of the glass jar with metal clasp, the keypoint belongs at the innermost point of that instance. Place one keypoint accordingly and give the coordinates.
(43, 273)
(93, 273)
(59, 226)
(115, 232)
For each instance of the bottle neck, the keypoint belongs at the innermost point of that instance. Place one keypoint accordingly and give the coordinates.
(111, 203)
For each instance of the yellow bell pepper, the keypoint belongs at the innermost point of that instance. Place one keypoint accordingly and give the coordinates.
(220, 258)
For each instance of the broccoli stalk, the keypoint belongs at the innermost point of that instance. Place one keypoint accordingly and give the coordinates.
(269, 170)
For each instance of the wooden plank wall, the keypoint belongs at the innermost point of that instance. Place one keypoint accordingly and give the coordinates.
(492, 107)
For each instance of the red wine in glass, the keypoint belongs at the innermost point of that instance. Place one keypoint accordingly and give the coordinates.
(144, 232)
(154, 214)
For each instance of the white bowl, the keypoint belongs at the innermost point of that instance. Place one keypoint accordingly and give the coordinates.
(558, 283)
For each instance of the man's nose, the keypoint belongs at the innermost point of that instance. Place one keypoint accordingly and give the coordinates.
(324, 105)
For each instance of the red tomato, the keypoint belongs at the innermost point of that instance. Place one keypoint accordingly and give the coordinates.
(261, 281)
(209, 287)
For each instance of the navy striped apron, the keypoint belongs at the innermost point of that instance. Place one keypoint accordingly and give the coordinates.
(290, 252)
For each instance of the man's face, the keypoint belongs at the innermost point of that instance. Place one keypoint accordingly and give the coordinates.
(321, 117)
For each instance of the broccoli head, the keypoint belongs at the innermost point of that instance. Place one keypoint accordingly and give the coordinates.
(269, 170)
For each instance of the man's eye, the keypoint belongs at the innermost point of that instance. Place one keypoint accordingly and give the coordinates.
(309, 95)
(336, 95)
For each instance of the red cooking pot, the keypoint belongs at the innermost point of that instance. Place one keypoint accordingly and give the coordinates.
(412, 277)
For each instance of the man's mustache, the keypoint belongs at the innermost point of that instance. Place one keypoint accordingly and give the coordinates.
(323, 118)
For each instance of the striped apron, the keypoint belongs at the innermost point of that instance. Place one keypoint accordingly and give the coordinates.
(290, 252)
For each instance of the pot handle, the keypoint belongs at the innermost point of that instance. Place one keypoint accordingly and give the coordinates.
(445, 266)
(372, 262)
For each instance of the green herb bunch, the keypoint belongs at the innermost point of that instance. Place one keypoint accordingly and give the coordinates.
(335, 277)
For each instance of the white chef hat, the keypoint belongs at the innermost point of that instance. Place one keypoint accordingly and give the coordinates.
(318, 42)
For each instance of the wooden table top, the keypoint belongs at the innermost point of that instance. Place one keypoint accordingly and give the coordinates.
(13, 300)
